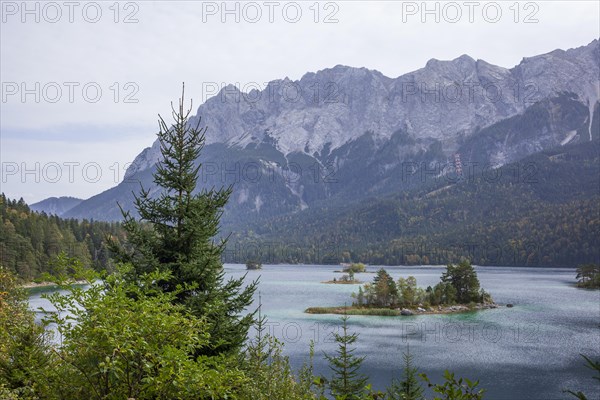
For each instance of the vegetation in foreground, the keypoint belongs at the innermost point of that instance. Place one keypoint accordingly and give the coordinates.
(121, 339)
(458, 290)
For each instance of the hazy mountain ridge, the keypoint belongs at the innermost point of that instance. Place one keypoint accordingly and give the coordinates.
(445, 100)
(56, 205)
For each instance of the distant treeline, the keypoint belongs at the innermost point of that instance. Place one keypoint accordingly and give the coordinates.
(30, 240)
(547, 217)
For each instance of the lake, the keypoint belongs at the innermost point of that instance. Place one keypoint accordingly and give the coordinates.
(530, 351)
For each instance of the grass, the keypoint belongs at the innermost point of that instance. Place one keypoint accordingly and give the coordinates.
(387, 312)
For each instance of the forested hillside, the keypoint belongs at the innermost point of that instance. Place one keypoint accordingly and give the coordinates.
(541, 211)
(29, 240)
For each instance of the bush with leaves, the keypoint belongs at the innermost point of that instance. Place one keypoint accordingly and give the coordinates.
(355, 268)
(441, 293)
(120, 340)
(23, 344)
(409, 294)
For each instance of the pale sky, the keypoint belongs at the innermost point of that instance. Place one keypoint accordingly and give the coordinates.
(83, 82)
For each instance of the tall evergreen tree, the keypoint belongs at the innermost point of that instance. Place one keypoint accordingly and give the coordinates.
(347, 382)
(464, 279)
(385, 289)
(409, 387)
(176, 232)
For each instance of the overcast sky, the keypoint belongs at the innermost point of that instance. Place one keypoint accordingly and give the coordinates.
(82, 84)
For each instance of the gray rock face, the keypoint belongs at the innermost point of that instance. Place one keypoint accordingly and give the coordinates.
(143, 161)
(446, 101)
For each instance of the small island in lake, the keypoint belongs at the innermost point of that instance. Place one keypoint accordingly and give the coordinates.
(346, 279)
(458, 291)
(354, 268)
(588, 276)
(253, 265)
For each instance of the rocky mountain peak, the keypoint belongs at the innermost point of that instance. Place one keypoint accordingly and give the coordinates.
(446, 101)
(461, 63)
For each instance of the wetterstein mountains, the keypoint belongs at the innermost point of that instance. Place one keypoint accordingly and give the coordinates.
(345, 134)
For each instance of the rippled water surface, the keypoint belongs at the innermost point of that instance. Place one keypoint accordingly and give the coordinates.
(530, 351)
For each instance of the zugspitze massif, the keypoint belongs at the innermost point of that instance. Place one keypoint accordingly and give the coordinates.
(350, 131)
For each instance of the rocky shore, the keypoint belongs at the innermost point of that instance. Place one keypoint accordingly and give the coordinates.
(442, 309)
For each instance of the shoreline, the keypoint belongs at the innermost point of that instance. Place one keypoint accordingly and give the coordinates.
(35, 285)
(337, 271)
(404, 312)
(424, 266)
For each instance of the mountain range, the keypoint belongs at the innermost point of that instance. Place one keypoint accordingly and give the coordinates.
(345, 135)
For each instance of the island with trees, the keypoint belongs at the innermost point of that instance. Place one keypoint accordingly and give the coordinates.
(349, 271)
(588, 276)
(253, 265)
(346, 279)
(354, 268)
(458, 290)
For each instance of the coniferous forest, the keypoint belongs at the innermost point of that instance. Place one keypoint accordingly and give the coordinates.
(30, 240)
(516, 215)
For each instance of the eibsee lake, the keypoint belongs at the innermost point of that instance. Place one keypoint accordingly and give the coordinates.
(530, 351)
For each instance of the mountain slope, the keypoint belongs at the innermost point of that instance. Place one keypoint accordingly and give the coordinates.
(56, 205)
(542, 210)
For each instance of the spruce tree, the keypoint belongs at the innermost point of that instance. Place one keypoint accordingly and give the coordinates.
(176, 230)
(385, 289)
(346, 383)
(464, 279)
(408, 388)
